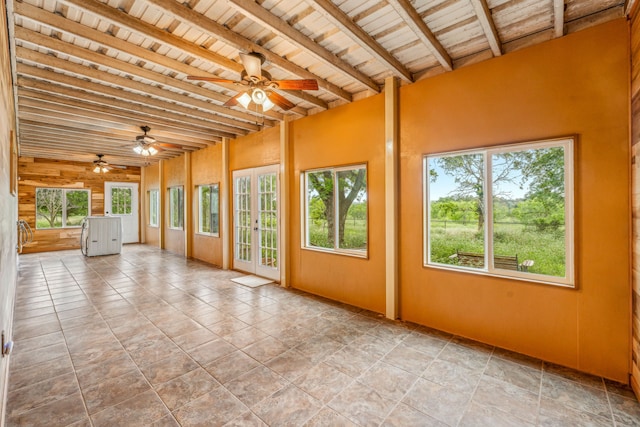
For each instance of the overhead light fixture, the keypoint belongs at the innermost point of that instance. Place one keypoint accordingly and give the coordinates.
(258, 96)
(100, 169)
(244, 100)
(101, 166)
(144, 143)
(145, 149)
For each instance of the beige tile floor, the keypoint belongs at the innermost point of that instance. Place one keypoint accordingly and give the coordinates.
(149, 338)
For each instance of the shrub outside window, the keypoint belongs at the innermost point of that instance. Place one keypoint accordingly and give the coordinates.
(336, 221)
(208, 218)
(176, 208)
(505, 211)
(153, 207)
(61, 207)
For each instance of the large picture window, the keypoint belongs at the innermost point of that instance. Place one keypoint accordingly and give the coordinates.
(176, 208)
(208, 218)
(505, 211)
(154, 207)
(335, 209)
(61, 207)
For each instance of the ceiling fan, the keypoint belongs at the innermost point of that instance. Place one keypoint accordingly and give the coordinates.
(146, 145)
(260, 87)
(102, 166)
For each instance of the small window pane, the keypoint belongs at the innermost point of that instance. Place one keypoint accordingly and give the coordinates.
(77, 207)
(208, 196)
(175, 208)
(352, 208)
(529, 209)
(320, 200)
(49, 208)
(153, 208)
(456, 209)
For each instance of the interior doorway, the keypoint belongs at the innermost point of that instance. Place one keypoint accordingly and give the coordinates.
(256, 220)
(121, 199)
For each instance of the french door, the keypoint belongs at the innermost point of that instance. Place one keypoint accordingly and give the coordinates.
(255, 221)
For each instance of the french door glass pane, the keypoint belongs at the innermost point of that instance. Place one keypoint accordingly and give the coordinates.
(242, 216)
(268, 217)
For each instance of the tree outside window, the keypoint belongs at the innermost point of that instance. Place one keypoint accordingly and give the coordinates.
(336, 215)
(153, 207)
(209, 209)
(505, 202)
(176, 208)
(59, 207)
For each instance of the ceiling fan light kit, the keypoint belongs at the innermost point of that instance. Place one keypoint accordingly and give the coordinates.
(144, 143)
(261, 87)
(101, 166)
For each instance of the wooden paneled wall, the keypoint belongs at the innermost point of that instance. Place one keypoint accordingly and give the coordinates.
(635, 188)
(36, 173)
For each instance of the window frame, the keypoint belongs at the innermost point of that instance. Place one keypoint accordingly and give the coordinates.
(199, 189)
(180, 190)
(64, 206)
(358, 253)
(568, 144)
(129, 206)
(154, 206)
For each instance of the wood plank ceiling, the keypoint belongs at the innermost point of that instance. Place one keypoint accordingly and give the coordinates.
(89, 73)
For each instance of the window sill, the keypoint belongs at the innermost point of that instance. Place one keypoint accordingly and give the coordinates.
(200, 233)
(352, 254)
(531, 278)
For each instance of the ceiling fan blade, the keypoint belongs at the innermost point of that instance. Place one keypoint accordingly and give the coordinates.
(280, 101)
(252, 65)
(307, 84)
(233, 101)
(117, 166)
(211, 79)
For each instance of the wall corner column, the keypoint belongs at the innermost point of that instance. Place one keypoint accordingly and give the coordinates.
(391, 177)
(225, 223)
(284, 196)
(161, 201)
(188, 207)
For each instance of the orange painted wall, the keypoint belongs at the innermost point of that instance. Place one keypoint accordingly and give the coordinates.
(351, 134)
(578, 84)
(206, 168)
(258, 149)
(174, 175)
(151, 182)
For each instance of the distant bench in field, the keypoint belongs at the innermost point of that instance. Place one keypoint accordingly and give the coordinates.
(470, 259)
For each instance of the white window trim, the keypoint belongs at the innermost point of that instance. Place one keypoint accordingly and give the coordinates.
(199, 231)
(358, 253)
(569, 279)
(157, 208)
(171, 213)
(64, 206)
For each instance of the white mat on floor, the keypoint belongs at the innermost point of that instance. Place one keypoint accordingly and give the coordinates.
(252, 281)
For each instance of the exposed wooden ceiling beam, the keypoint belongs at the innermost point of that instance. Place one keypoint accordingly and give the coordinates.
(341, 20)
(103, 11)
(125, 135)
(184, 13)
(29, 97)
(101, 89)
(59, 153)
(257, 13)
(213, 112)
(558, 18)
(415, 22)
(488, 26)
(70, 27)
